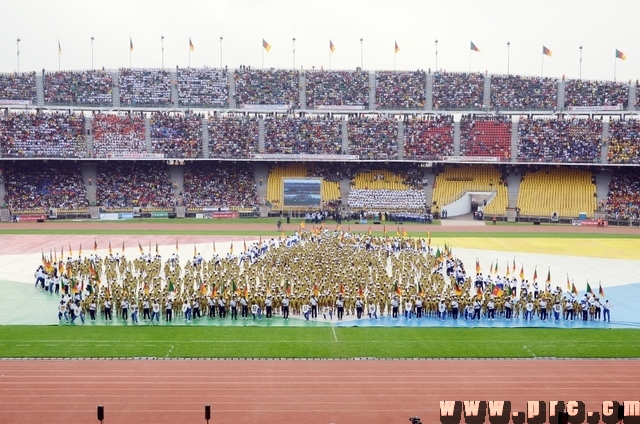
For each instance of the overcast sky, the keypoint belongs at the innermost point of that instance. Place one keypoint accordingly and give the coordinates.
(562, 26)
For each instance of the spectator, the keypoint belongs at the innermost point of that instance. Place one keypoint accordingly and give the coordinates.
(232, 136)
(82, 87)
(267, 87)
(145, 87)
(623, 199)
(428, 137)
(400, 90)
(18, 86)
(559, 140)
(304, 134)
(47, 135)
(220, 185)
(624, 141)
(118, 135)
(515, 92)
(337, 88)
(176, 136)
(485, 136)
(373, 137)
(44, 186)
(203, 87)
(134, 184)
(456, 91)
(595, 93)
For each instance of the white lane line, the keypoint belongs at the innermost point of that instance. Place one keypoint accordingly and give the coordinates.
(335, 337)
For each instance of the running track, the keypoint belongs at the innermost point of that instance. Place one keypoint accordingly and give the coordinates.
(273, 391)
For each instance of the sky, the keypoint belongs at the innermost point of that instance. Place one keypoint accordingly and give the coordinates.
(560, 25)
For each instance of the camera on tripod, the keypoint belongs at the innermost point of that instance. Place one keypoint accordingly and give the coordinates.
(415, 420)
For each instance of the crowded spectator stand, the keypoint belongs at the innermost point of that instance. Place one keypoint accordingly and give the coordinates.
(373, 137)
(428, 137)
(337, 88)
(400, 90)
(516, 92)
(78, 88)
(485, 136)
(232, 136)
(18, 87)
(145, 87)
(458, 91)
(311, 134)
(176, 135)
(596, 93)
(118, 135)
(267, 87)
(226, 185)
(203, 87)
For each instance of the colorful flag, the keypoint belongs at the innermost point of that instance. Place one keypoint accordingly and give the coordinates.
(478, 269)
(507, 273)
(369, 230)
(191, 47)
(140, 248)
(331, 46)
(384, 230)
(535, 274)
(601, 291)
(360, 290)
(110, 251)
(171, 287)
(59, 48)
(231, 248)
(548, 281)
(458, 290)
(266, 45)
(522, 272)
(123, 247)
(397, 49)
(195, 251)
(214, 246)
(146, 289)
(315, 290)
(397, 289)
(546, 51)
(245, 245)
(620, 55)
(513, 266)
(80, 251)
(70, 251)
(589, 288)
(474, 48)
(130, 44)
(568, 283)
(574, 290)
(287, 288)
(404, 233)
(95, 245)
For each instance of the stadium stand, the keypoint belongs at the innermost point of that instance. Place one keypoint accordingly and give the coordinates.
(373, 137)
(227, 185)
(624, 141)
(380, 190)
(117, 135)
(458, 91)
(204, 87)
(232, 136)
(595, 93)
(267, 87)
(78, 88)
(145, 87)
(456, 180)
(559, 140)
(485, 136)
(623, 199)
(565, 191)
(337, 88)
(311, 134)
(42, 135)
(176, 136)
(18, 86)
(428, 137)
(515, 92)
(123, 185)
(38, 187)
(400, 90)
(330, 188)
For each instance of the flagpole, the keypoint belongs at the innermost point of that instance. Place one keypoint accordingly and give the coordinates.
(189, 56)
(615, 64)
(542, 66)
(470, 59)
(262, 50)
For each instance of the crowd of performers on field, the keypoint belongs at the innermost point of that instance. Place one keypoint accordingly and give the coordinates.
(316, 275)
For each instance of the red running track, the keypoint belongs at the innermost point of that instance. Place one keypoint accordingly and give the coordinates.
(323, 392)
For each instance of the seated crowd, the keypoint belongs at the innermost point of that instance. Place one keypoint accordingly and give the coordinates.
(624, 141)
(176, 136)
(20, 86)
(219, 185)
(458, 90)
(81, 87)
(373, 137)
(559, 140)
(311, 134)
(145, 87)
(203, 87)
(50, 135)
(485, 136)
(374, 200)
(117, 135)
(595, 93)
(515, 92)
(337, 88)
(400, 90)
(623, 199)
(134, 184)
(428, 137)
(267, 86)
(44, 186)
(232, 136)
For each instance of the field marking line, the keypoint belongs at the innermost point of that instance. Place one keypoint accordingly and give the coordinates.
(169, 353)
(335, 337)
(528, 350)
